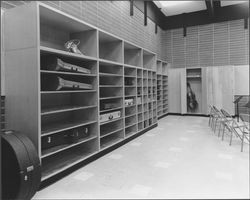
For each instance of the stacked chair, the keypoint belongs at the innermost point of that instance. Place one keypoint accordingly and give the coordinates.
(221, 120)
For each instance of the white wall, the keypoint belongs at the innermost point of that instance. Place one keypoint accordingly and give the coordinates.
(241, 77)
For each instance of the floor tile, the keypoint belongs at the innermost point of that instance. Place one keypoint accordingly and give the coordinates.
(175, 149)
(83, 176)
(223, 176)
(140, 190)
(162, 165)
(115, 156)
(137, 144)
(177, 162)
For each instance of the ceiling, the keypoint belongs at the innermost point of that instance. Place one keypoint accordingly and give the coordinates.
(170, 8)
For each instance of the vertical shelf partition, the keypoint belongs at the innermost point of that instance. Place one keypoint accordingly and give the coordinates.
(133, 90)
(149, 101)
(162, 88)
(111, 101)
(65, 111)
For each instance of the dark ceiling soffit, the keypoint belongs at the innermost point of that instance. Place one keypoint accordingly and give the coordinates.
(232, 12)
(153, 12)
(145, 14)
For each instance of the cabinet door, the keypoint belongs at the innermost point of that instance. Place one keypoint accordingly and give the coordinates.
(226, 74)
(220, 87)
(174, 83)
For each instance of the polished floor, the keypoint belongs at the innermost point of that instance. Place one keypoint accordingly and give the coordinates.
(181, 158)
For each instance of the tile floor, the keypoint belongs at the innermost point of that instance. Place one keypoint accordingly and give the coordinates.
(181, 158)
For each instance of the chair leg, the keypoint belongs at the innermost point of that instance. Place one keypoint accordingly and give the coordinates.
(223, 133)
(231, 138)
(219, 129)
(216, 121)
(242, 142)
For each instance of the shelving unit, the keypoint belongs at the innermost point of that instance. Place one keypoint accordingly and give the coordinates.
(162, 88)
(66, 112)
(149, 89)
(64, 122)
(110, 86)
(140, 99)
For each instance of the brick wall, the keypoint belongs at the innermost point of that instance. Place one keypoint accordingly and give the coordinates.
(113, 17)
(225, 43)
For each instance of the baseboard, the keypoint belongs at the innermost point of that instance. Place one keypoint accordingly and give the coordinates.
(162, 116)
(197, 115)
(189, 114)
(179, 114)
(66, 172)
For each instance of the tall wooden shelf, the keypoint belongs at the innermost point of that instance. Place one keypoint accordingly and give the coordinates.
(149, 97)
(118, 70)
(111, 85)
(162, 88)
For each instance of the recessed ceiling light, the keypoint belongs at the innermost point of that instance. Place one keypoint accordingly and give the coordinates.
(166, 4)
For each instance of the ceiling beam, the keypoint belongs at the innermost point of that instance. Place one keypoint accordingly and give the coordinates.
(210, 7)
(131, 7)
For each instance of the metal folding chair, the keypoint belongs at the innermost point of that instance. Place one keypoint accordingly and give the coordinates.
(234, 128)
(217, 119)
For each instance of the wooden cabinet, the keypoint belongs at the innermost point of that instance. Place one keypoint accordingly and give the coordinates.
(211, 85)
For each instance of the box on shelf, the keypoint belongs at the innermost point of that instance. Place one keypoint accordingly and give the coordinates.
(68, 137)
(111, 105)
(129, 102)
(110, 116)
(139, 100)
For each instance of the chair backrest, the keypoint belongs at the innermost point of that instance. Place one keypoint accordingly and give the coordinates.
(225, 113)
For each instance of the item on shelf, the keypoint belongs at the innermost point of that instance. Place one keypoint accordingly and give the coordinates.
(58, 83)
(110, 116)
(77, 134)
(21, 169)
(129, 102)
(139, 100)
(57, 64)
(72, 46)
(192, 103)
(71, 136)
(106, 106)
(149, 106)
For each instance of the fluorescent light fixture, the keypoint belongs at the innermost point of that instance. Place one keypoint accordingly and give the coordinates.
(167, 4)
